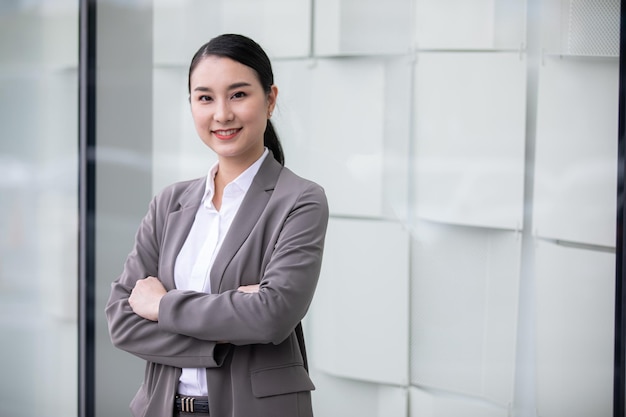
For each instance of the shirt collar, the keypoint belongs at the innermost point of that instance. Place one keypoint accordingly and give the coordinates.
(243, 181)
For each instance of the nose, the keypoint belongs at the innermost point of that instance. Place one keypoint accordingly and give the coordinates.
(223, 112)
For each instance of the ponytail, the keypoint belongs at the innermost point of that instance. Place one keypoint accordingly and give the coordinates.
(271, 141)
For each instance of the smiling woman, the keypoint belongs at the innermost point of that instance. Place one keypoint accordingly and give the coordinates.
(239, 251)
(254, 59)
(230, 109)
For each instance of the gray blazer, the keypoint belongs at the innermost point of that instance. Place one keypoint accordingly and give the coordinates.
(277, 240)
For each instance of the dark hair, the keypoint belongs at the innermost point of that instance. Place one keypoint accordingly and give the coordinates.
(247, 52)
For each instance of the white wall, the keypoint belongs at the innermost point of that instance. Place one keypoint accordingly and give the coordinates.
(415, 116)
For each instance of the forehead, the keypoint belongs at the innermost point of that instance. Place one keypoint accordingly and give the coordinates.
(215, 71)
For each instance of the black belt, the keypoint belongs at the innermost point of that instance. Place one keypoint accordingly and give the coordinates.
(192, 404)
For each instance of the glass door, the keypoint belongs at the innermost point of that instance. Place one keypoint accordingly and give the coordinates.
(38, 207)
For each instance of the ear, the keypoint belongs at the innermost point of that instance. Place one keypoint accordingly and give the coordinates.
(271, 100)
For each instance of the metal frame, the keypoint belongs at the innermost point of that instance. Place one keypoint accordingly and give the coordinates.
(619, 383)
(86, 209)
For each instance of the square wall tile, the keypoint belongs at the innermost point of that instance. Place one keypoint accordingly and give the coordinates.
(429, 404)
(464, 298)
(362, 27)
(345, 124)
(292, 116)
(575, 290)
(281, 27)
(575, 180)
(177, 151)
(359, 318)
(477, 24)
(469, 148)
(334, 396)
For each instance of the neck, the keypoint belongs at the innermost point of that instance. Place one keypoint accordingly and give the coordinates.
(229, 169)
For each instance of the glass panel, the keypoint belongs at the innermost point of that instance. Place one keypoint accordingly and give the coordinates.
(38, 207)
(124, 176)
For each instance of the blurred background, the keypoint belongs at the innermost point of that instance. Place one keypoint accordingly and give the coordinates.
(468, 149)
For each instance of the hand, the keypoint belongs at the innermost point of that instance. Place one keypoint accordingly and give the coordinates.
(145, 298)
(249, 289)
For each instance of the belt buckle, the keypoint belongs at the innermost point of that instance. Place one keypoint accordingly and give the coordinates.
(186, 404)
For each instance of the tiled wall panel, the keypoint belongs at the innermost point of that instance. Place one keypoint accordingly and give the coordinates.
(464, 297)
(362, 27)
(575, 319)
(477, 24)
(181, 27)
(283, 27)
(377, 123)
(360, 312)
(177, 152)
(336, 396)
(348, 132)
(469, 148)
(575, 180)
(429, 404)
(345, 124)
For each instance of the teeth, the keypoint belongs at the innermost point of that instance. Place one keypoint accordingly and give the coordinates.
(226, 132)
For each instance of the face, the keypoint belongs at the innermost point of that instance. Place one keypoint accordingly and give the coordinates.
(230, 109)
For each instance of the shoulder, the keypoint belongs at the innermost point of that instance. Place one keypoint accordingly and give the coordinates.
(290, 180)
(283, 182)
(296, 191)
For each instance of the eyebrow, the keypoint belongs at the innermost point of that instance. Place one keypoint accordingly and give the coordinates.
(230, 87)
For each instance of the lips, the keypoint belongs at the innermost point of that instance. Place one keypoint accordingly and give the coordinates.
(226, 134)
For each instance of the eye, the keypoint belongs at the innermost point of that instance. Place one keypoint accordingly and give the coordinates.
(239, 94)
(204, 98)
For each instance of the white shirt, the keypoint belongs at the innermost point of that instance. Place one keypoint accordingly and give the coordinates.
(205, 238)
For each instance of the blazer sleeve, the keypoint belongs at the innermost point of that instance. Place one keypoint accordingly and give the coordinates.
(286, 288)
(145, 338)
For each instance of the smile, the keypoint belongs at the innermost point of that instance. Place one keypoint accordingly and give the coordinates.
(226, 134)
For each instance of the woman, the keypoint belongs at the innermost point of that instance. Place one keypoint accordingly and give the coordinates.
(224, 267)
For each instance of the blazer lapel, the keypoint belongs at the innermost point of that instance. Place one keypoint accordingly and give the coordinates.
(249, 212)
(178, 225)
